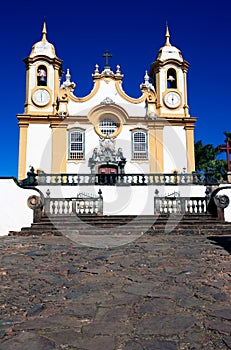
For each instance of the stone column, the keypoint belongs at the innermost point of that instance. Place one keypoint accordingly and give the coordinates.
(59, 145)
(22, 150)
(189, 129)
(156, 149)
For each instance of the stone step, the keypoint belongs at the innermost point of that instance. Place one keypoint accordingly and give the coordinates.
(150, 223)
(121, 221)
(127, 224)
(118, 233)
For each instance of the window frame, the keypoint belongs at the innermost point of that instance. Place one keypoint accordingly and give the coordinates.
(172, 72)
(81, 151)
(107, 127)
(137, 154)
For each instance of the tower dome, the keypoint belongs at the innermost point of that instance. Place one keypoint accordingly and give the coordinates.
(43, 47)
(168, 51)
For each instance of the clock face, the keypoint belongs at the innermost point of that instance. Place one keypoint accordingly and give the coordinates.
(172, 99)
(41, 97)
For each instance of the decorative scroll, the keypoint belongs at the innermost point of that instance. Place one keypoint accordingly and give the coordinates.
(34, 202)
(221, 201)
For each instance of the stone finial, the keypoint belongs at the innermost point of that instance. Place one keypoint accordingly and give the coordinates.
(67, 83)
(96, 69)
(44, 32)
(167, 36)
(118, 72)
(146, 78)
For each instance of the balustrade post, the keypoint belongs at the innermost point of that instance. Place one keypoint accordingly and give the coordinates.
(100, 202)
(47, 201)
(73, 205)
(182, 205)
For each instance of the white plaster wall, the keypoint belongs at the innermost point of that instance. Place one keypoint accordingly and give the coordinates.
(51, 79)
(180, 77)
(14, 213)
(39, 147)
(175, 151)
(91, 142)
(122, 141)
(33, 76)
(106, 90)
(162, 81)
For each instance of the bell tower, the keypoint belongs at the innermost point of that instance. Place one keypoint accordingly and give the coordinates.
(168, 74)
(43, 73)
(169, 77)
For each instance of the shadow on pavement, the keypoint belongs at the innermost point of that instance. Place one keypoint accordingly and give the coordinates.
(223, 241)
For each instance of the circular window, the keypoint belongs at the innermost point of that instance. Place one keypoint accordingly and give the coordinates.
(108, 127)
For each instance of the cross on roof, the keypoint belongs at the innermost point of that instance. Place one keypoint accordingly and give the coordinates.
(227, 148)
(107, 55)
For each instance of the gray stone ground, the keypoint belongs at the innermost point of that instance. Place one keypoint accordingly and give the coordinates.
(156, 293)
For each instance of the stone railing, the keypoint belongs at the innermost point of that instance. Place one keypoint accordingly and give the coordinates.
(123, 179)
(81, 205)
(180, 205)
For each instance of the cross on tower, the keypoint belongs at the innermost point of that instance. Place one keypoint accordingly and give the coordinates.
(227, 148)
(107, 55)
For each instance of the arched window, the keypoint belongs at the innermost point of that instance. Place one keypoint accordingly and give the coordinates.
(171, 79)
(76, 144)
(108, 127)
(139, 145)
(42, 76)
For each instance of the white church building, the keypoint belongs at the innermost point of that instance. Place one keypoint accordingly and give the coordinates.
(107, 131)
(106, 153)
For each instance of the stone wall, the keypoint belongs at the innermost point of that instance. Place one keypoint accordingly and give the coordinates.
(14, 212)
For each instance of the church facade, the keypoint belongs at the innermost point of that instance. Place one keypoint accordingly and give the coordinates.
(107, 131)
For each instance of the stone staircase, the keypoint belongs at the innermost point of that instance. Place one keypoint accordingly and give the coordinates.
(127, 225)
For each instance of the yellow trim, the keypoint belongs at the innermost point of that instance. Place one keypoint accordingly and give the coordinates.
(190, 148)
(59, 145)
(23, 128)
(89, 96)
(112, 117)
(186, 108)
(114, 112)
(126, 97)
(156, 149)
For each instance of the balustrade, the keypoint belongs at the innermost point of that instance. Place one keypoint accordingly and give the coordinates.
(74, 205)
(180, 205)
(123, 179)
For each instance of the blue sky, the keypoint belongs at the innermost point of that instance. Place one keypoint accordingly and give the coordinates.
(133, 32)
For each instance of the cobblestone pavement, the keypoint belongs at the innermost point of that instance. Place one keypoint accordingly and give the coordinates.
(156, 293)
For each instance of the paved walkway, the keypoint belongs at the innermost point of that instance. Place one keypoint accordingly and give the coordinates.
(156, 293)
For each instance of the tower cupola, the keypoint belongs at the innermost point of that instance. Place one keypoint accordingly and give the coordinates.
(43, 74)
(43, 47)
(168, 51)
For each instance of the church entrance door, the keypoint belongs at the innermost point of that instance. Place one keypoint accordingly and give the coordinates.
(107, 174)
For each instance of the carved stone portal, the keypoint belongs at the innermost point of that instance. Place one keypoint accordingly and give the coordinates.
(107, 155)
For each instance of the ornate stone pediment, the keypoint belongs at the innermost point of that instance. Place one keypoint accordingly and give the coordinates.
(106, 153)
